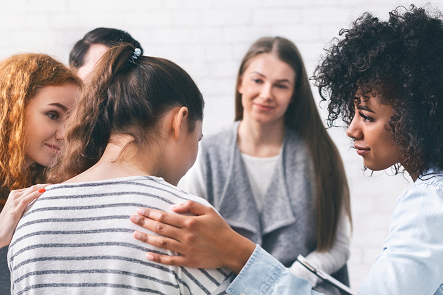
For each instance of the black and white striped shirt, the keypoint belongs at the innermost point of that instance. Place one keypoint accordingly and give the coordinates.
(77, 239)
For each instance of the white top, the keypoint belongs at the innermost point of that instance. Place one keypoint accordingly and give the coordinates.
(330, 261)
(260, 172)
(77, 239)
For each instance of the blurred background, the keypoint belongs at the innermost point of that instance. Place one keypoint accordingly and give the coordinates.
(208, 38)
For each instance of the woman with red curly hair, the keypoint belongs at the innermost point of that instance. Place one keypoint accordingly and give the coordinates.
(36, 92)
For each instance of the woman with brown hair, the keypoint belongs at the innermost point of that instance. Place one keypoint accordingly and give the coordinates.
(275, 175)
(132, 136)
(36, 92)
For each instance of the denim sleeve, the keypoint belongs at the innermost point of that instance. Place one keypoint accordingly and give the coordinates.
(412, 257)
(264, 275)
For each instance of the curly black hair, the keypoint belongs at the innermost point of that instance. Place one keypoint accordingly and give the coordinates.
(400, 60)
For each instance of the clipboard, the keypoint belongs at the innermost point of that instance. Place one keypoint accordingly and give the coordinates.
(324, 276)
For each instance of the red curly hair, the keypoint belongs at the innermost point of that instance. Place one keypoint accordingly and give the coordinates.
(20, 76)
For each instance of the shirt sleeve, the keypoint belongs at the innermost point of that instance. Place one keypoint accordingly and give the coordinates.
(264, 275)
(412, 257)
(194, 181)
(331, 260)
(411, 261)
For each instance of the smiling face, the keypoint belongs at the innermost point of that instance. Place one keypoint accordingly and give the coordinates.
(370, 131)
(266, 87)
(44, 117)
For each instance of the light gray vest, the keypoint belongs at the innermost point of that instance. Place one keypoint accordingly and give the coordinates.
(286, 226)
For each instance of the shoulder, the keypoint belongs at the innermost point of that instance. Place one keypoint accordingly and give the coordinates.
(422, 202)
(428, 186)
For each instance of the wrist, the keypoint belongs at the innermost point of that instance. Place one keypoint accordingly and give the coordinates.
(242, 249)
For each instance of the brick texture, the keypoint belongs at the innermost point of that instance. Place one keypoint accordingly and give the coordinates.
(208, 38)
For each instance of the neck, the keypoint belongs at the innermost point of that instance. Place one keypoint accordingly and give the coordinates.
(260, 139)
(122, 158)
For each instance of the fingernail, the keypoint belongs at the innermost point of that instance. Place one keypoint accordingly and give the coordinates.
(137, 235)
(149, 256)
(175, 206)
(140, 211)
(42, 190)
(134, 218)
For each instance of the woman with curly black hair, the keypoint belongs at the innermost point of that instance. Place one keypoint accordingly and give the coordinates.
(384, 79)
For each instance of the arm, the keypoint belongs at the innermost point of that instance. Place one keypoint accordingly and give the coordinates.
(331, 260)
(16, 204)
(413, 251)
(207, 241)
(204, 240)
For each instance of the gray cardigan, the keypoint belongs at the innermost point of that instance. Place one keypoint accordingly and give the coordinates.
(286, 226)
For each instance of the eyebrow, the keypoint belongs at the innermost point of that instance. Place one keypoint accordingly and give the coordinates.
(280, 80)
(365, 108)
(59, 105)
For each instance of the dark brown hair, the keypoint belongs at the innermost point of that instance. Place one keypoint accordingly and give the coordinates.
(331, 187)
(105, 36)
(125, 96)
(20, 76)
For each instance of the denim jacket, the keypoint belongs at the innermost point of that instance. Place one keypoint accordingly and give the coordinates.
(411, 261)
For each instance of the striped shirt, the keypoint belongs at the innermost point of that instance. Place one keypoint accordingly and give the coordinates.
(77, 239)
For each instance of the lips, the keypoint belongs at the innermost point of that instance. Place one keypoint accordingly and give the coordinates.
(54, 147)
(361, 150)
(263, 107)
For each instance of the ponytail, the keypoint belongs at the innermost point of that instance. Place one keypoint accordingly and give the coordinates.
(126, 94)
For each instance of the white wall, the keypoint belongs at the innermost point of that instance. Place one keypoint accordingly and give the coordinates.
(208, 38)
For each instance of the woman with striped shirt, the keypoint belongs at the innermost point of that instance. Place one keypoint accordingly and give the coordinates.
(133, 135)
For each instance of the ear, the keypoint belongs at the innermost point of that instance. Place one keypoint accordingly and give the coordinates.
(179, 123)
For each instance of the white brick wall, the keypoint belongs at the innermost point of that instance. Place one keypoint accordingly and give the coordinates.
(208, 38)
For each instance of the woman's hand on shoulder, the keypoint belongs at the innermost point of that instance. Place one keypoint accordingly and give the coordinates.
(17, 202)
(204, 240)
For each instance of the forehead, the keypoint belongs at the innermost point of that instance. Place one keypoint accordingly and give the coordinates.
(65, 95)
(373, 103)
(94, 52)
(270, 65)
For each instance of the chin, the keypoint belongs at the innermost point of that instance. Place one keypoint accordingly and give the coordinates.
(376, 167)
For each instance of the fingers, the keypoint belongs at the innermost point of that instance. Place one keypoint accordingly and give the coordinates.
(191, 207)
(159, 241)
(165, 259)
(28, 199)
(157, 227)
(172, 219)
(21, 198)
(16, 203)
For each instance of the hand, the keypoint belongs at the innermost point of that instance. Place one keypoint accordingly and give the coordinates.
(18, 200)
(204, 240)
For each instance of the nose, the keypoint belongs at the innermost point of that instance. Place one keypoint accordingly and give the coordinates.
(354, 129)
(60, 133)
(266, 91)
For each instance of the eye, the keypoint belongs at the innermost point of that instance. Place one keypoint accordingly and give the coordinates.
(258, 81)
(366, 118)
(53, 115)
(282, 86)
